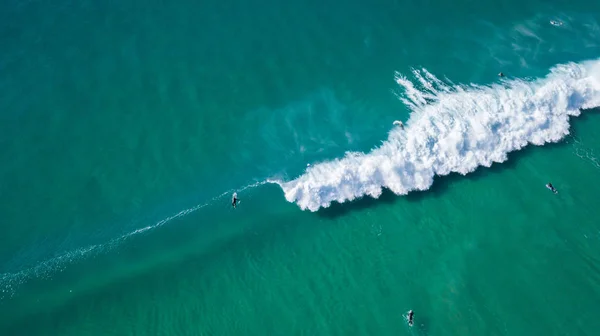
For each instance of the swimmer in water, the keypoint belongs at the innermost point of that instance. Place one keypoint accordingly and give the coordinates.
(501, 75)
(410, 317)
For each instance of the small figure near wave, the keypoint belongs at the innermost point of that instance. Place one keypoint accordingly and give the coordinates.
(234, 200)
(501, 74)
(409, 317)
(556, 23)
(551, 187)
(398, 123)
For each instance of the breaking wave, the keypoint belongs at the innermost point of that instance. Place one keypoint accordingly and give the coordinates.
(453, 128)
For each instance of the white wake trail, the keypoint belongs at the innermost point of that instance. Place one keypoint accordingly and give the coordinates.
(9, 282)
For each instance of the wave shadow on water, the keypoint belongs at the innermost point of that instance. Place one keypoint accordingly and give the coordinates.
(442, 184)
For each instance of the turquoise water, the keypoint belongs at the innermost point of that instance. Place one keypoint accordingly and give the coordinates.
(125, 127)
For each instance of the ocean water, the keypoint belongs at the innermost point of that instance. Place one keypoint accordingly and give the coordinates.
(125, 127)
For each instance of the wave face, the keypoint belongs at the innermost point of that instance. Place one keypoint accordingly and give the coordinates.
(453, 128)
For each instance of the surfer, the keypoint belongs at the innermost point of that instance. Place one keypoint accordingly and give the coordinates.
(234, 200)
(556, 23)
(551, 187)
(501, 75)
(410, 317)
(398, 123)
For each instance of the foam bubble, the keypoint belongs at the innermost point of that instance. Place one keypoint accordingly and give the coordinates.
(453, 128)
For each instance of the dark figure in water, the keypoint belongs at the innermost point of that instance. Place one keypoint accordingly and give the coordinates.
(501, 75)
(551, 187)
(410, 317)
(234, 200)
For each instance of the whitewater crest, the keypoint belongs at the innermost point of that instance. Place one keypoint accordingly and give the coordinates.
(453, 128)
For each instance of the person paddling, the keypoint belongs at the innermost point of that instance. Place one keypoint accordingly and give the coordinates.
(410, 317)
(551, 187)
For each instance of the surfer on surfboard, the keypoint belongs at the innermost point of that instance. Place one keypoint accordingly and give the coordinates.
(556, 23)
(551, 187)
(234, 200)
(409, 317)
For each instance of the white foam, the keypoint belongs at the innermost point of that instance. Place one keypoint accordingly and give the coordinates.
(453, 128)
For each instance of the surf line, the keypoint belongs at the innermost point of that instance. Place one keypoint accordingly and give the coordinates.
(9, 282)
